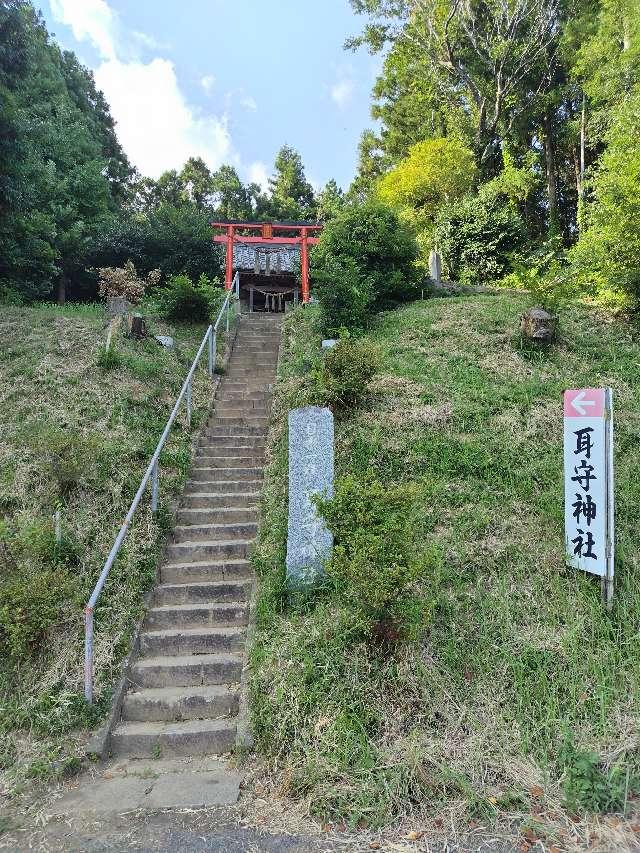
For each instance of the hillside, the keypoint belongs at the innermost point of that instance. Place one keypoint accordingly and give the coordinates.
(77, 433)
(519, 704)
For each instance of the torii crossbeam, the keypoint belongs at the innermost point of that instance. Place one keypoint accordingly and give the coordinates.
(298, 234)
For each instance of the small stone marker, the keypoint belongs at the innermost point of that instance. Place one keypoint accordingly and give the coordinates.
(329, 343)
(588, 483)
(117, 306)
(435, 266)
(165, 340)
(538, 325)
(309, 542)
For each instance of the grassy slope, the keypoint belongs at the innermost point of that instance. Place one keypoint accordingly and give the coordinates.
(53, 387)
(519, 651)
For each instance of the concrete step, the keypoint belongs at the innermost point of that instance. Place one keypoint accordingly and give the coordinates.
(212, 500)
(239, 410)
(158, 704)
(213, 570)
(199, 487)
(212, 474)
(166, 740)
(187, 670)
(217, 515)
(225, 457)
(249, 396)
(191, 641)
(168, 594)
(199, 551)
(213, 531)
(226, 431)
(197, 615)
(249, 386)
(256, 421)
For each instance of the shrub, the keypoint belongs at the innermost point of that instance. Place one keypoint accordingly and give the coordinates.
(374, 567)
(346, 371)
(345, 294)
(606, 258)
(30, 604)
(477, 237)
(435, 172)
(591, 786)
(174, 240)
(67, 456)
(181, 299)
(124, 281)
(367, 255)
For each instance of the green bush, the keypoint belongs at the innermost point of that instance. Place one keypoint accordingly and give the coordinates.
(374, 567)
(181, 299)
(174, 240)
(30, 604)
(477, 237)
(365, 260)
(591, 786)
(346, 296)
(67, 456)
(347, 369)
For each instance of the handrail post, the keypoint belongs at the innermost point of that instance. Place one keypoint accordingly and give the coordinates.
(154, 488)
(189, 404)
(227, 317)
(88, 654)
(212, 352)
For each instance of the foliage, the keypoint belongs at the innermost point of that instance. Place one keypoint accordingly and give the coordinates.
(345, 294)
(29, 606)
(63, 170)
(374, 566)
(346, 371)
(366, 251)
(291, 195)
(182, 299)
(124, 282)
(477, 237)
(435, 172)
(330, 201)
(606, 258)
(591, 786)
(67, 457)
(174, 240)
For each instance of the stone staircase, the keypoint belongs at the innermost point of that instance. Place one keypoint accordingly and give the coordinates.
(184, 692)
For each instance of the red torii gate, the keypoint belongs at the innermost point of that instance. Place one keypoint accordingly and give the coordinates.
(301, 231)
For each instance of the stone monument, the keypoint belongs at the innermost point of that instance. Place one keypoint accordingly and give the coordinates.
(309, 542)
(435, 266)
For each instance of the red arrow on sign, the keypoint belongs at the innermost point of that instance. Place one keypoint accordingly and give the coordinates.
(584, 403)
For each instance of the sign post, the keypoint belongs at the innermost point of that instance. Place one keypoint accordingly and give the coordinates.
(588, 484)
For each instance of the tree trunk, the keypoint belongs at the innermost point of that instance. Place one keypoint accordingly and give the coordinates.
(62, 290)
(552, 189)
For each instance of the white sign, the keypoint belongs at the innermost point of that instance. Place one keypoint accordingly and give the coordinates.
(588, 483)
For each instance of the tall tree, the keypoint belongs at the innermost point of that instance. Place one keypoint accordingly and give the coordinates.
(291, 194)
(489, 57)
(232, 198)
(330, 201)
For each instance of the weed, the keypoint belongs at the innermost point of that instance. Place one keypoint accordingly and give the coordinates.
(109, 359)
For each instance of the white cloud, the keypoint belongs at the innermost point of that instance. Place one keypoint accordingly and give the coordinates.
(208, 82)
(89, 19)
(249, 103)
(258, 174)
(342, 92)
(157, 127)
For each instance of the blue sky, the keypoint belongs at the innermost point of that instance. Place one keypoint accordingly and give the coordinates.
(228, 80)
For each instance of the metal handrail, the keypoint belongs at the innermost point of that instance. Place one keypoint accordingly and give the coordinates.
(151, 474)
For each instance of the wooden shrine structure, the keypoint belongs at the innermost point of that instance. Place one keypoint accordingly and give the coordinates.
(262, 241)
